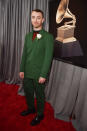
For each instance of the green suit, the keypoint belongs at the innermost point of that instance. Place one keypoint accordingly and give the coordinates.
(36, 61)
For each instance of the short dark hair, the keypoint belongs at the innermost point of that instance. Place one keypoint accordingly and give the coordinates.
(38, 10)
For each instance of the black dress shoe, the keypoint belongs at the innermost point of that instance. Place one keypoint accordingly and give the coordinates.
(37, 120)
(27, 112)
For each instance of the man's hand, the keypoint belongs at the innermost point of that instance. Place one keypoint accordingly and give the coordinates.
(42, 80)
(21, 74)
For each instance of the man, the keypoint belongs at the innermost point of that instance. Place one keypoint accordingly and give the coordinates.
(35, 65)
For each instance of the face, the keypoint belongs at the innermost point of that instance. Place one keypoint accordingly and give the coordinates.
(37, 19)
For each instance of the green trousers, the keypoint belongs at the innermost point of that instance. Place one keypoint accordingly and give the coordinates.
(31, 86)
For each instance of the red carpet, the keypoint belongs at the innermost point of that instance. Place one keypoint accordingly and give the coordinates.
(12, 104)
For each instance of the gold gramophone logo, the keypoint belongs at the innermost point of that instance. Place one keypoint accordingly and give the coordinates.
(65, 33)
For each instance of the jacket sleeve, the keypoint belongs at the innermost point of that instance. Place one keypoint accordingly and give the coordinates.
(22, 65)
(49, 46)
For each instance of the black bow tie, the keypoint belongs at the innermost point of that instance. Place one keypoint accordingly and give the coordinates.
(36, 31)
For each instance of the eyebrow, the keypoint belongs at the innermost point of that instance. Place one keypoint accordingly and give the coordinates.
(37, 16)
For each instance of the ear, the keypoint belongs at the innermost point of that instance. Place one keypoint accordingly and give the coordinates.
(43, 20)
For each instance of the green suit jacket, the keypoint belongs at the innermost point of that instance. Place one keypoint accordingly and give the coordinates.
(37, 55)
